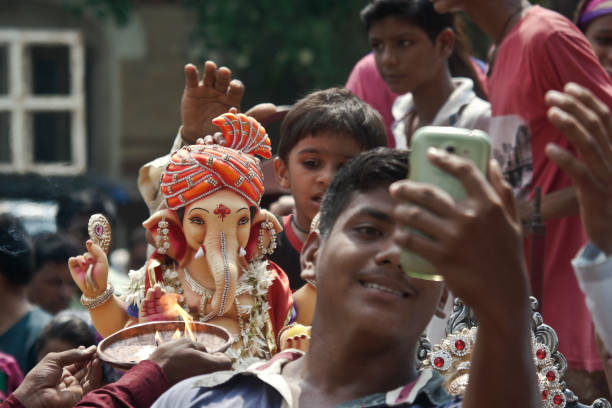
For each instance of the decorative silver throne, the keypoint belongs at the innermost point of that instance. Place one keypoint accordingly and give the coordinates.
(451, 357)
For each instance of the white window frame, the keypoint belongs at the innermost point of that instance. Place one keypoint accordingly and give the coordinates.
(20, 103)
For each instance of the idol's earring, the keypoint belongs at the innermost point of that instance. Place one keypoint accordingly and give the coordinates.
(260, 239)
(162, 240)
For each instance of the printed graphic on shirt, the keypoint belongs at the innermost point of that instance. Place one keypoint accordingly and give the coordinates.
(510, 138)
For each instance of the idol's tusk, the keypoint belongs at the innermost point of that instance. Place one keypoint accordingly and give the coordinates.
(241, 252)
(199, 254)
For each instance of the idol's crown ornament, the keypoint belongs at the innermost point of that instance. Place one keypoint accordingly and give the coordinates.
(197, 171)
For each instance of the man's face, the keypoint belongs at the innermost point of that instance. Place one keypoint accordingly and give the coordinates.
(360, 284)
(52, 287)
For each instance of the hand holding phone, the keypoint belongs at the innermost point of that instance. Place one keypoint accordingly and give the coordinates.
(471, 144)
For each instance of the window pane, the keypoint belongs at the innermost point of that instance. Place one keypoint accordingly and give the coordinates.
(3, 70)
(5, 146)
(50, 69)
(51, 131)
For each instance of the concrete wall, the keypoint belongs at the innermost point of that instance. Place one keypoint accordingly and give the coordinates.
(152, 82)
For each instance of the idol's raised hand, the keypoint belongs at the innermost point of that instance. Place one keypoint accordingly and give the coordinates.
(90, 270)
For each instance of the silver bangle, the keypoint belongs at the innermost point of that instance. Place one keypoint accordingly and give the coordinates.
(92, 303)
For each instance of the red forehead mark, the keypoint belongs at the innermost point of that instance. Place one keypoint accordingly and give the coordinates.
(222, 211)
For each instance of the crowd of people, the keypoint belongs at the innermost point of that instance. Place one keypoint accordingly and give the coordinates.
(544, 97)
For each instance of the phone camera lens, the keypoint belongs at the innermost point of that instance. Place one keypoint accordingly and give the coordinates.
(450, 149)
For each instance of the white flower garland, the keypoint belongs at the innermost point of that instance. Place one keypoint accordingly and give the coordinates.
(255, 281)
(134, 294)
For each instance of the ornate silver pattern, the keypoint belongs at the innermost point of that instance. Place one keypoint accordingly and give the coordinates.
(551, 364)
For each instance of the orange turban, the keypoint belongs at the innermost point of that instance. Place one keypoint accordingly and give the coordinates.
(197, 171)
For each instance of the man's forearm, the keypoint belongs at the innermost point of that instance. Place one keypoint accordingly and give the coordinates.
(139, 387)
(502, 372)
(558, 204)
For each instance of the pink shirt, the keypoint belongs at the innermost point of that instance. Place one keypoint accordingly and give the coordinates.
(368, 85)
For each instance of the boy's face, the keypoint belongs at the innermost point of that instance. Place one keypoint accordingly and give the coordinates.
(310, 167)
(360, 284)
(405, 55)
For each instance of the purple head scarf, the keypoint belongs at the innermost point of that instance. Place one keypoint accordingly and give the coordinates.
(594, 9)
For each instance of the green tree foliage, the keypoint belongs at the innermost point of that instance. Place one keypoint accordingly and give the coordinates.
(118, 10)
(281, 50)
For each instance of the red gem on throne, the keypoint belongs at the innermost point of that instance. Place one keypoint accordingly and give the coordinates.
(460, 345)
(541, 354)
(558, 399)
(222, 211)
(438, 362)
(550, 375)
(544, 395)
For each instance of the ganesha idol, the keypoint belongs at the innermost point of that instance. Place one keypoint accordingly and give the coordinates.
(211, 241)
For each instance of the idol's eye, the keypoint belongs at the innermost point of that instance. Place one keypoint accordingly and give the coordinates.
(243, 220)
(196, 220)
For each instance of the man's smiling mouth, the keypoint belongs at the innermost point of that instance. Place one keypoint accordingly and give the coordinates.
(386, 289)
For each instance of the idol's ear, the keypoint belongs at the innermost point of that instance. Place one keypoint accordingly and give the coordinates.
(168, 236)
(262, 240)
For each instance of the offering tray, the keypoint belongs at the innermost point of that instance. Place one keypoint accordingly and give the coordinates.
(127, 347)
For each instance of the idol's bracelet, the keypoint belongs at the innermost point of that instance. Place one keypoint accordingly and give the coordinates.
(92, 303)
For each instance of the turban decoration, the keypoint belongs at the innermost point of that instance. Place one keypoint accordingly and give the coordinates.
(197, 171)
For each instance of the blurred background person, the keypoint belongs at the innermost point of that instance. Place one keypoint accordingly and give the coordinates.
(52, 287)
(20, 321)
(65, 331)
(594, 18)
(10, 375)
